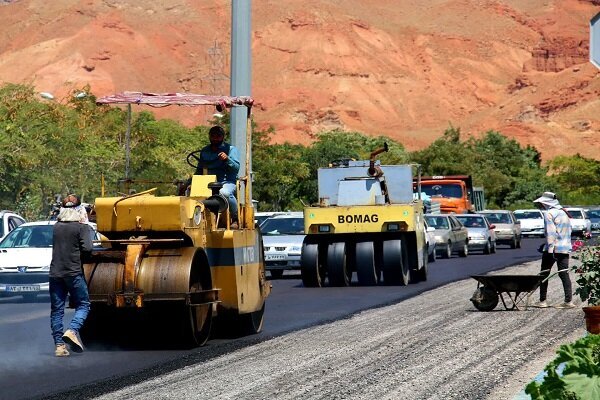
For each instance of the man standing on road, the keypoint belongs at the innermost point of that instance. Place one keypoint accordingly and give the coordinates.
(221, 159)
(557, 248)
(71, 238)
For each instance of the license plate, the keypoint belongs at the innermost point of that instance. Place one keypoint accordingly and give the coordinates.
(274, 257)
(23, 288)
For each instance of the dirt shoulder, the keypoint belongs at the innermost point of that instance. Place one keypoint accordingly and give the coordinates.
(433, 346)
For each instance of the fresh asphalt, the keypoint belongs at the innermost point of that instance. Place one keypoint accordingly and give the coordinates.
(28, 368)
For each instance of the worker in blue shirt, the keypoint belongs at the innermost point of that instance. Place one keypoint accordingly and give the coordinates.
(221, 159)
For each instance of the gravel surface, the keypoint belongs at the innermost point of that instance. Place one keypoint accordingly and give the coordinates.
(433, 346)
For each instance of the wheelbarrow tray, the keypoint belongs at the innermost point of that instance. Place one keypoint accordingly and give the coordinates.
(516, 287)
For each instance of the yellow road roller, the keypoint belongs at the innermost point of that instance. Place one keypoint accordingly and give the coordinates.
(176, 260)
(367, 221)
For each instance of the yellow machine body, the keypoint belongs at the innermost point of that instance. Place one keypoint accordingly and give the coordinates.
(367, 221)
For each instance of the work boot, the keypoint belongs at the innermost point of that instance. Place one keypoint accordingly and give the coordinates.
(541, 304)
(565, 305)
(72, 338)
(61, 350)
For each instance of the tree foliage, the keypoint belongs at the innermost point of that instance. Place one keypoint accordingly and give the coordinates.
(55, 147)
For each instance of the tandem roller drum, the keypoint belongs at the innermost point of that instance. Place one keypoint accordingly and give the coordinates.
(173, 282)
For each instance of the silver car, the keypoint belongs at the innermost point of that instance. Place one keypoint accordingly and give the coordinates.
(450, 235)
(282, 240)
(481, 232)
(508, 227)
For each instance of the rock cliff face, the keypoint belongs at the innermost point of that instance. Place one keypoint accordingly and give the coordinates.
(405, 69)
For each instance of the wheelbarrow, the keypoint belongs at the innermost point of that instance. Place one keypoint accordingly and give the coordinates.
(518, 289)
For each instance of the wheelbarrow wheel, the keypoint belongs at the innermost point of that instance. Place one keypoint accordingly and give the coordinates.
(485, 299)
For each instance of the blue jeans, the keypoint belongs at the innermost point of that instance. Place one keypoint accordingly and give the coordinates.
(77, 288)
(229, 191)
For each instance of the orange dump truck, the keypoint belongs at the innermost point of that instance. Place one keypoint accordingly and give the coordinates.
(454, 193)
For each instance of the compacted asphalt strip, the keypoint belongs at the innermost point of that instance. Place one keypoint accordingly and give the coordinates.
(432, 346)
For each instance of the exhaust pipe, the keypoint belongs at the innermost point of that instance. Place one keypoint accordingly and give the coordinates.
(376, 171)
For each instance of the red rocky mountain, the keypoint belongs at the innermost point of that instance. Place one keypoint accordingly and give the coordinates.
(406, 69)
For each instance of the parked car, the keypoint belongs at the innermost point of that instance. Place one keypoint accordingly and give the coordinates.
(594, 217)
(25, 256)
(282, 240)
(450, 235)
(9, 221)
(508, 227)
(430, 239)
(532, 222)
(581, 226)
(260, 217)
(481, 232)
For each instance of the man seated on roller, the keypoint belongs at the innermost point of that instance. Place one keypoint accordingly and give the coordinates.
(221, 159)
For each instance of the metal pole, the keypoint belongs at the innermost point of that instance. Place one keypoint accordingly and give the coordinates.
(241, 62)
(127, 147)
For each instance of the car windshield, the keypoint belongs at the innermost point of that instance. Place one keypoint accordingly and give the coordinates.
(471, 222)
(448, 190)
(593, 213)
(438, 222)
(498, 218)
(283, 226)
(576, 214)
(28, 236)
(528, 215)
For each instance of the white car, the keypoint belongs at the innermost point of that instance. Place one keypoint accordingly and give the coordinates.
(9, 221)
(580, 224)
(25, 256)
(282, 240)
(532, 222)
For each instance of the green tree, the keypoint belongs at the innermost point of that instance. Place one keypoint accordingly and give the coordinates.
(577, 179)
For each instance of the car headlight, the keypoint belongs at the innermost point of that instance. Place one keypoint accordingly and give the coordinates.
(46, 268)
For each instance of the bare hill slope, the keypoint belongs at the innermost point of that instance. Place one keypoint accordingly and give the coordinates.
(404, 69)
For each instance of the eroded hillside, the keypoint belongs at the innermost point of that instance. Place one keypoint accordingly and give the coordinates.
(404, 69)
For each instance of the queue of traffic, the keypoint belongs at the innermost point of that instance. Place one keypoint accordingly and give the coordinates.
(447, 234)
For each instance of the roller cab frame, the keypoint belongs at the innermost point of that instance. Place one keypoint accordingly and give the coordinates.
(367, 222)
(177, 257)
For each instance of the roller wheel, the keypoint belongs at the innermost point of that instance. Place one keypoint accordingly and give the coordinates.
(395, 267)
(276, 273)
(252, 323)
(464, 251)
(366, 266)
(447, 252)
(311, 270)
(199, 320)
(485, 299)
(337, 269)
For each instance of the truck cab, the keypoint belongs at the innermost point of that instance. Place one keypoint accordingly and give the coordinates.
(454, 193)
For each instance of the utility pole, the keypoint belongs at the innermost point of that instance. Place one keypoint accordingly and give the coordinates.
(241, 73)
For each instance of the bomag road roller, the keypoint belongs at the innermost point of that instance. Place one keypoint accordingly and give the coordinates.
(176, 260)
(367, 221)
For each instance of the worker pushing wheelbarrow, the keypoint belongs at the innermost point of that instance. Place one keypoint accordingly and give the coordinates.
(518, 288)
